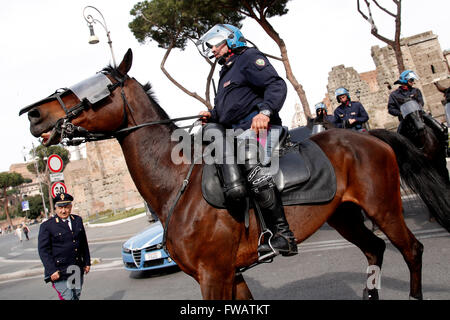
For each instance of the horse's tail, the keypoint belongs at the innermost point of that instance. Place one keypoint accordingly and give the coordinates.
(419, 175)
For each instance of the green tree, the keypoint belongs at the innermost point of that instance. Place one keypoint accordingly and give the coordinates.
(7, 180)
(39, 166)
(36, 207)
(172, 23)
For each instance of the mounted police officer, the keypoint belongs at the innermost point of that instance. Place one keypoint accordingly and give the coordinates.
(250, 95)
(406, 92)
(63, 249)
(349, 114)
(323, 120)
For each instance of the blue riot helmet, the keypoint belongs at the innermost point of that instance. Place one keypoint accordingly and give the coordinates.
(405, 76)
(340, 92)
(218, 35)
(320, 105)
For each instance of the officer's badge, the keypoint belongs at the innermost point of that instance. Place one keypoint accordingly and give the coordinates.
(260, 62)
(62, 196)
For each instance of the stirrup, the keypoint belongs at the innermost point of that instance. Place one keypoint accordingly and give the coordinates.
(270, 255)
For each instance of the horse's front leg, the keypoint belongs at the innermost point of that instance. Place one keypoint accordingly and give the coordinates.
(216, 283)
(240, 289)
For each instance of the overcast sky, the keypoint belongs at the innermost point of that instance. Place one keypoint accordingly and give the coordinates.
(44, 47)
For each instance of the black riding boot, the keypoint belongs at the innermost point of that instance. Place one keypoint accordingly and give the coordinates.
(230, 174)
(268, 198)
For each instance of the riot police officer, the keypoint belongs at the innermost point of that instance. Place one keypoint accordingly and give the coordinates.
(406, 92)
(323, 120)
(250, 95)
(63, 249)
(349, 114)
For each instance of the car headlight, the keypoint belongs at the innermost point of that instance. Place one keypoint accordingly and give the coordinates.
(126, 250)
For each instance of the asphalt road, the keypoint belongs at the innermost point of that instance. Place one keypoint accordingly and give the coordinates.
(326, 268)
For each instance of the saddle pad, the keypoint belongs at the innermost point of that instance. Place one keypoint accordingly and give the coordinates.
(321, 186)
(318, 184)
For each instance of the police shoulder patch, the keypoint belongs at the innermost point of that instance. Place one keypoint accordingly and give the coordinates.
(260, 62)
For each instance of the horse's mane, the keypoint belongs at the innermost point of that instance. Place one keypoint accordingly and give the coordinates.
(150, 94)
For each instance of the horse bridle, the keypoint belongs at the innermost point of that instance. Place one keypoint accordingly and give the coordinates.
(75, 135)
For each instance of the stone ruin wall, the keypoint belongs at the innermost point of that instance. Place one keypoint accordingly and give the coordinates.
(422, 53)
(101, 181)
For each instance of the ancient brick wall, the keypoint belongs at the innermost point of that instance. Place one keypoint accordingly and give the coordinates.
(101, 181)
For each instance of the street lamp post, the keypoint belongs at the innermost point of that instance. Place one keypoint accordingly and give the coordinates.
(93, 39)
(35, 160)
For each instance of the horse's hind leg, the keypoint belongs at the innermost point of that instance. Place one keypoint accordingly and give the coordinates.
(389, 217)
(349, 222)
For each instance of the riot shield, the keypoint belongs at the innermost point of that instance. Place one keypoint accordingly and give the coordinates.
(318, 128)
(409, 107)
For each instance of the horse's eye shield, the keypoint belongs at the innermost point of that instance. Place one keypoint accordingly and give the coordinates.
(93, 89)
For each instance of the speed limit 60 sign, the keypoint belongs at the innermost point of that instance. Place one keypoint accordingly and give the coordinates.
(58, 188)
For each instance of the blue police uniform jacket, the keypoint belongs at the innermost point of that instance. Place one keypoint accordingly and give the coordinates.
(330, 119)
(59, 247)
(354, 110)
(248, 84)
(400, 96)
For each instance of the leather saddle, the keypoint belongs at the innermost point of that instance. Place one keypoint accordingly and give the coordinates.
(305, 175)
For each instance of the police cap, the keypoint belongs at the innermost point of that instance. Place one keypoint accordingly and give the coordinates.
(62, 199)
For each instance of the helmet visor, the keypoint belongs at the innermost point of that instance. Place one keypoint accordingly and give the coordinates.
(214, 37)
(412, 76)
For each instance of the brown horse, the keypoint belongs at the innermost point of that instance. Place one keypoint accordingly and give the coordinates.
(209, 244)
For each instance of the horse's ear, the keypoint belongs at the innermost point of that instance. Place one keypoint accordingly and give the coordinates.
(125, 65)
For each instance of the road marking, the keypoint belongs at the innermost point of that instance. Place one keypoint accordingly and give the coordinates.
(342, 243)
(2, 259)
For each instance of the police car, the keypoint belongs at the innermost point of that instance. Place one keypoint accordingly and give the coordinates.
(144, 251)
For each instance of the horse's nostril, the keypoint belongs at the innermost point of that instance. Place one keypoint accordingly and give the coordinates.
(34, 114)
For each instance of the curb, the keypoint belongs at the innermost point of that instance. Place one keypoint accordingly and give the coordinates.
(22, 274)
(113, 223)
(40, 271)
(119, 238)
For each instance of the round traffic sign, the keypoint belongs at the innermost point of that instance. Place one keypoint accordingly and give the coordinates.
(55, 163)
(57, 188)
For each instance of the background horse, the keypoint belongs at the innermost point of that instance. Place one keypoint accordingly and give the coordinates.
(210, 244)
(425, 136)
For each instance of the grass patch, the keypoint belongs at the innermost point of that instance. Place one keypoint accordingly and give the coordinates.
(109, 216)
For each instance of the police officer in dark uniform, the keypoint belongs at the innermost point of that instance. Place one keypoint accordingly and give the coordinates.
(250, 95)
(63, 249)
(349, 114)
(406, 92)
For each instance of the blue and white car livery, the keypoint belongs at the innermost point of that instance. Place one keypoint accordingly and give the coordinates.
(144, 251)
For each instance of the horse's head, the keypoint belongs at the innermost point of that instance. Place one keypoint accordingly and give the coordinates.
(445, 91)
(96, 105)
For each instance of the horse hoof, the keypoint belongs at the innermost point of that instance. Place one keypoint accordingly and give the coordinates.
(370, 294)
(413, 298)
